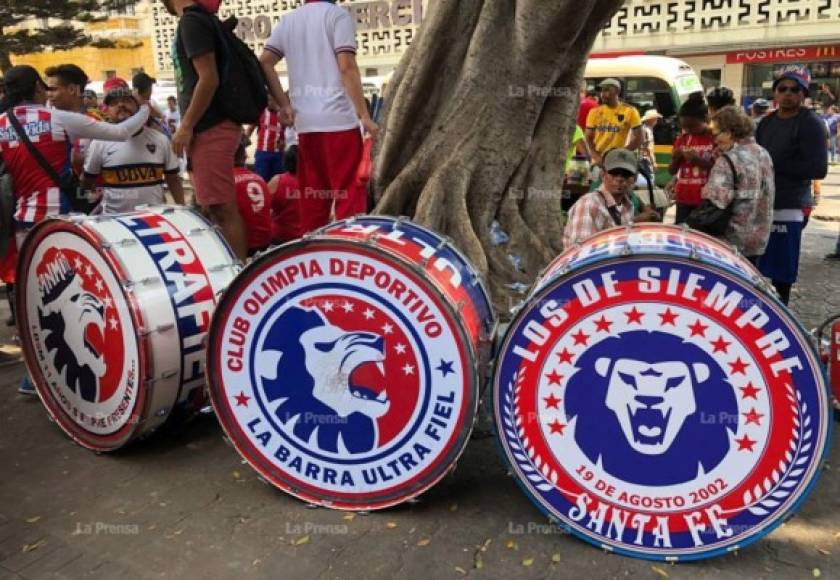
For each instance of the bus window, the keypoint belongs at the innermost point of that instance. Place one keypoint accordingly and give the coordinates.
(652, 93)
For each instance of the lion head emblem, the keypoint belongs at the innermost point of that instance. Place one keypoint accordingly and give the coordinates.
(70, 316)
(317, 370)
(651, 408)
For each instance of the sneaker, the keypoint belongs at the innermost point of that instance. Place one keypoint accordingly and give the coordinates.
(26, 387)
(832, 256)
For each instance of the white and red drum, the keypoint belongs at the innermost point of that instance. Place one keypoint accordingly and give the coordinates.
(655, 399)
(346, 367)
(113, 312)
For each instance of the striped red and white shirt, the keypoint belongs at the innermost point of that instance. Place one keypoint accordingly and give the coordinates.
(52, 132)
(271, 133)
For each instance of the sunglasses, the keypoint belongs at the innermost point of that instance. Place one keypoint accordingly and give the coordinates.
(789, 89)
(623, 173)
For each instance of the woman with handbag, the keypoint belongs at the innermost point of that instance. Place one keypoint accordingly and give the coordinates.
(737, 201)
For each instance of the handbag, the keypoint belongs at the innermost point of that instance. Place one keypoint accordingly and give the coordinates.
(709, 218)
(69, 184)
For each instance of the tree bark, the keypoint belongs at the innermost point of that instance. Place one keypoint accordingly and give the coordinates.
(477, 124)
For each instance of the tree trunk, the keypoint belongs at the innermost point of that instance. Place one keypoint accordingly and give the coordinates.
(5, 57)
(477, 124)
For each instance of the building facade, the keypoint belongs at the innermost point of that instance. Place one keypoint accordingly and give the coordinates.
(129, 26)
(385, 29)
(736, 43)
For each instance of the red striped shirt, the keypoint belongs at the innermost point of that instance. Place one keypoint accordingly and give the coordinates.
(270, 137)
(37, 195)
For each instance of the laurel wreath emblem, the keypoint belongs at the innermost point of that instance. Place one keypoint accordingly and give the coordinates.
(760, 500)
(770, 493)
(538, 472)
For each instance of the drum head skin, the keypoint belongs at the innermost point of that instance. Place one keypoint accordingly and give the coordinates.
(660, 407)
(341, 375)
(79, 335)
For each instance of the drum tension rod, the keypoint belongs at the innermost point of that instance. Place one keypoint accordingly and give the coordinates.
(160, 328)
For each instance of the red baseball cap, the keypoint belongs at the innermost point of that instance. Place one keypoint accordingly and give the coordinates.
(116, 87)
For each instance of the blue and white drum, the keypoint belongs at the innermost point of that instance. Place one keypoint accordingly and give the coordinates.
(655, 399)
(346, 367)
(113, 312)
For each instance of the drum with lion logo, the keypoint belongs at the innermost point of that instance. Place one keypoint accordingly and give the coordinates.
(654, 397)
(113, 312)
(346, 367)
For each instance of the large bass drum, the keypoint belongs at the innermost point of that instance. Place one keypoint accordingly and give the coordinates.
(654, 397)
(113, 312)
(346, 367)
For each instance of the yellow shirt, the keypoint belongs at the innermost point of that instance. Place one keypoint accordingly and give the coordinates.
(612, 125)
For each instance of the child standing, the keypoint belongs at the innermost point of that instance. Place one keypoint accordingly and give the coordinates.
(693, 155)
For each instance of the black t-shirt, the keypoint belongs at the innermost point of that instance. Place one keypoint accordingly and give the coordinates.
(197, 35)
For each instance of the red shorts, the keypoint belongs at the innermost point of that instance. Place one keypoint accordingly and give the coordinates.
(328, 168)
(211, 155)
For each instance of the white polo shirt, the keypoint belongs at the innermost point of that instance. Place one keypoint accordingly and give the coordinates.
(309, 38)
(131, 173)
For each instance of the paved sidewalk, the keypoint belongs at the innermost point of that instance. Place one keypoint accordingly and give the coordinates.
(182, 505)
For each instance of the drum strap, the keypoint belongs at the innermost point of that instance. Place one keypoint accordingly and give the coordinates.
(613, 209)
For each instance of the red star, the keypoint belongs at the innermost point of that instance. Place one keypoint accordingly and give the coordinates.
(603, 324)
(753, 417)
(668, 317)
(749, 392)
(242, 399)
(554, 378)
(633, 316)
(580, 337)
(738, 367)
(551, 402)
(557, 427)
(745, 443)
(721, 345)
(565, 356)
(698, 329)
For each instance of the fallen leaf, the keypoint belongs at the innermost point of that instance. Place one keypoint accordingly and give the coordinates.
(823, 551)
(349, 517)
(391, 525)
(460, 570)
(33, 519)
(555, 558)
(659, 571)
(453, 507)
(424, 542)
(816, 573)
(479, 563)
(256, 562)
(33, 547)
(527, 561)
(236, 475)
(301, 541)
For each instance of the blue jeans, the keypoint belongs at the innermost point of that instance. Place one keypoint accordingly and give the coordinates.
(267, 164)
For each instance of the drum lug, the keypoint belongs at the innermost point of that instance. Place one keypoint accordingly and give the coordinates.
(163, 377)
(158, 329)
(413, 501)
(162, 412)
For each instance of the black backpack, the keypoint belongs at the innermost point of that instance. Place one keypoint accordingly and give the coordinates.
(242, 93)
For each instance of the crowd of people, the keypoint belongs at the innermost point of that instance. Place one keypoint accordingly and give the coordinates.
(64, 151)
(751, 179)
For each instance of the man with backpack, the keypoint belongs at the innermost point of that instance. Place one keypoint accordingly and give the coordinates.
(204, 54)
(318, 41)
(795, 138)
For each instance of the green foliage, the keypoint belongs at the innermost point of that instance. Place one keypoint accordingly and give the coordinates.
(57, 31)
